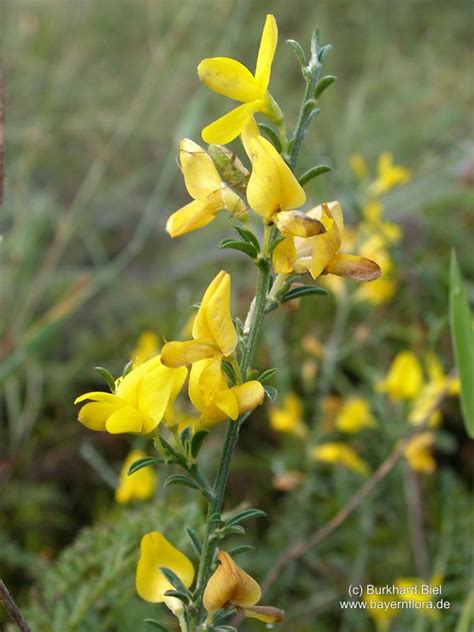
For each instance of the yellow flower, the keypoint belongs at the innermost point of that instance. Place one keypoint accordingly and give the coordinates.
(139, 402)
(355, 415)
(231, 587)
(210, 194)
(217, 403)
(232, 79)
(151, 585)
(148, 347)
(404, 379)
(419, 453)
(388, 175)
(138, 486)
(379, 609)
(214, 336)
(273, 188)
(319, 253)
(383, 288)
(289, 417)
(339, 453)
(411, 589)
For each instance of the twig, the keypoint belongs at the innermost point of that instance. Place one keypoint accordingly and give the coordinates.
(12, 609)
(415, 515)
(299, 548)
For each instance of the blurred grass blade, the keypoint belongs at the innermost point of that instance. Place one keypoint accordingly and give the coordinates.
(462, 335)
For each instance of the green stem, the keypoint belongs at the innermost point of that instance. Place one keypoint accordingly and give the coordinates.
(303, 118)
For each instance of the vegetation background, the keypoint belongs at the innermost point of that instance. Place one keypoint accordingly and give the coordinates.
(97, 97)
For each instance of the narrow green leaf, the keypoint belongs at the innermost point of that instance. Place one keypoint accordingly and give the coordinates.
(174, 580)
(272, 135)
(270, 392)
(278, 239)
(243, 246)
(179, 595)
(322, 84)
(324, 52)
(179, 479)
(107, 377)
(195, 542)
(185, 436)
(248, 236)
(145, 462)
(238, 550)
(155, 624)
(197, 441)
(460, 319)
(312, 173)
(301, 292)
(174, 454)
(315, 42)
(233, 530)
(298, 51)
(229, 371)
(266, 375)
(245, 514)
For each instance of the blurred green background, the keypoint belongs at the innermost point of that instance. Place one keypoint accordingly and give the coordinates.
(97, 97)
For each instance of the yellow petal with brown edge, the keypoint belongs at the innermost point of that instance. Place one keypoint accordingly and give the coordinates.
(125, 419)
(229, 77)
(353, 267)
(194, 215)
(210, 380)
(175, 354)
(266, 53)
(200, 174)
(157, 552)
(267, 614)
(284, 256)
(230, 584)
(298, 224)
(229, 126)
(219, 319)
(249, 395)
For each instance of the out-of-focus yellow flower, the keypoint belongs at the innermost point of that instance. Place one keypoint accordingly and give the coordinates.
(151, 585)
(411, 588)
(339, 453)
(313, 346)
(383, 288)
(379, 609)
(232, 587)
(273, 188)
(359, 167)
(148, 346)
(289, 417)
(139, 402)
(319, 253)
(426, 399)
(288, 480)
(233, 80)
(140, 485)
(355, 415)
(219, 403)
(375, 225)
(210, 194)
(404, 379)
(419, 453)
(389, 175)
(214, 337)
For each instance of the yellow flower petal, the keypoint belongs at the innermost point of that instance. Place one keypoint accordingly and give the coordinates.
(157, 552)
(339, 453)
(214, 320)
(229, 126)
(211, 379)
(175, 354)
(194, 215)
(404, 379)
(272, 186)
(419, 453)
(249, 395)
(129, 387)
(230, 584)
(353, 267)
(125, 419)
(289, 417)
(155, 394)
(266, 53)
(229, 77)
(200, 174)
(95, 414)
(284, 256)
(298, 224)
(227, 403)
(355, 415)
